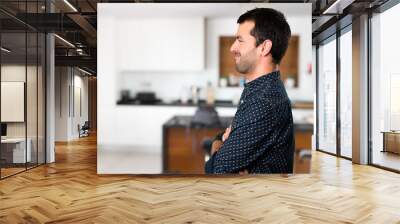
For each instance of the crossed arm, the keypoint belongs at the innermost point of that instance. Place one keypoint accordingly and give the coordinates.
(256, 132)
(216, 145)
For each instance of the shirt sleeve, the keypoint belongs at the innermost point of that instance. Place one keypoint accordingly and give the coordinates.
(255, 133)
(208, 168)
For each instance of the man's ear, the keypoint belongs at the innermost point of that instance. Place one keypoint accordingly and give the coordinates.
(266, 47)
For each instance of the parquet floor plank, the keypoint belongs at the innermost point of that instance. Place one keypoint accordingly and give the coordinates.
(70, 191)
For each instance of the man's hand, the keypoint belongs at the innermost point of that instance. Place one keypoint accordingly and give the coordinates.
(226, 134)
(216, 145)
(244, 172)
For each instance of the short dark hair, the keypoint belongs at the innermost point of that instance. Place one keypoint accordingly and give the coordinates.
(270, 24)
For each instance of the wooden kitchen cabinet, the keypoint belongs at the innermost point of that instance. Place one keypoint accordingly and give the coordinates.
(184, 149)
(391, 141)
(303, 139)
(289, 66)
(302, 158)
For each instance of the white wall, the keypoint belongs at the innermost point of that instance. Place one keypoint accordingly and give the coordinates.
(80, 83)
(161, 82)
(68, 81)
(61, 103)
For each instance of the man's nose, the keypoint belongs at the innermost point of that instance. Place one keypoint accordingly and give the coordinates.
(233, 47)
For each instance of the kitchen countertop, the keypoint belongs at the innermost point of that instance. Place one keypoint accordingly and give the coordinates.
(185, 121)
(218, 103)
(303, 127)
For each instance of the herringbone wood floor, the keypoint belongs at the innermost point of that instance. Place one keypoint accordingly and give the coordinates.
(70, 191)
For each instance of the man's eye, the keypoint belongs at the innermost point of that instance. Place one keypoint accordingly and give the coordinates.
(240, 41)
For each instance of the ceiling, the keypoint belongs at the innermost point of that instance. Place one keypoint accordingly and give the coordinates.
(76, 21)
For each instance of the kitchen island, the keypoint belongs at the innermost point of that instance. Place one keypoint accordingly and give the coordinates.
(183, 144)
(130, 136)
(184, 141)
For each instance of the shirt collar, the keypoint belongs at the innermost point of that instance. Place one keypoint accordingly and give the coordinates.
(262, 80)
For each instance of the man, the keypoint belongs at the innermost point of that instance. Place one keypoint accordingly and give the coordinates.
(260, 138)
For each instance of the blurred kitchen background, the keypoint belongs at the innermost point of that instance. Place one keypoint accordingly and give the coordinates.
(159, 63)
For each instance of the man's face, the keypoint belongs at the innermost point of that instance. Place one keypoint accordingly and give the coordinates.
(244, 48)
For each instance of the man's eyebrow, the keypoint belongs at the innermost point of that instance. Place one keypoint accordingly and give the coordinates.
(239, 37)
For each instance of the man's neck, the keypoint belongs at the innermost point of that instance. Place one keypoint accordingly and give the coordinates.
(260, 71)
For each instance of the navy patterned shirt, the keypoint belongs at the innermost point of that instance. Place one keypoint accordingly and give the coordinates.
(262, 136)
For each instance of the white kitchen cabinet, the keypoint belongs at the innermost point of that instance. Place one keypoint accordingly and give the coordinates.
(142, 125)
(131, 143)
(161, 44)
